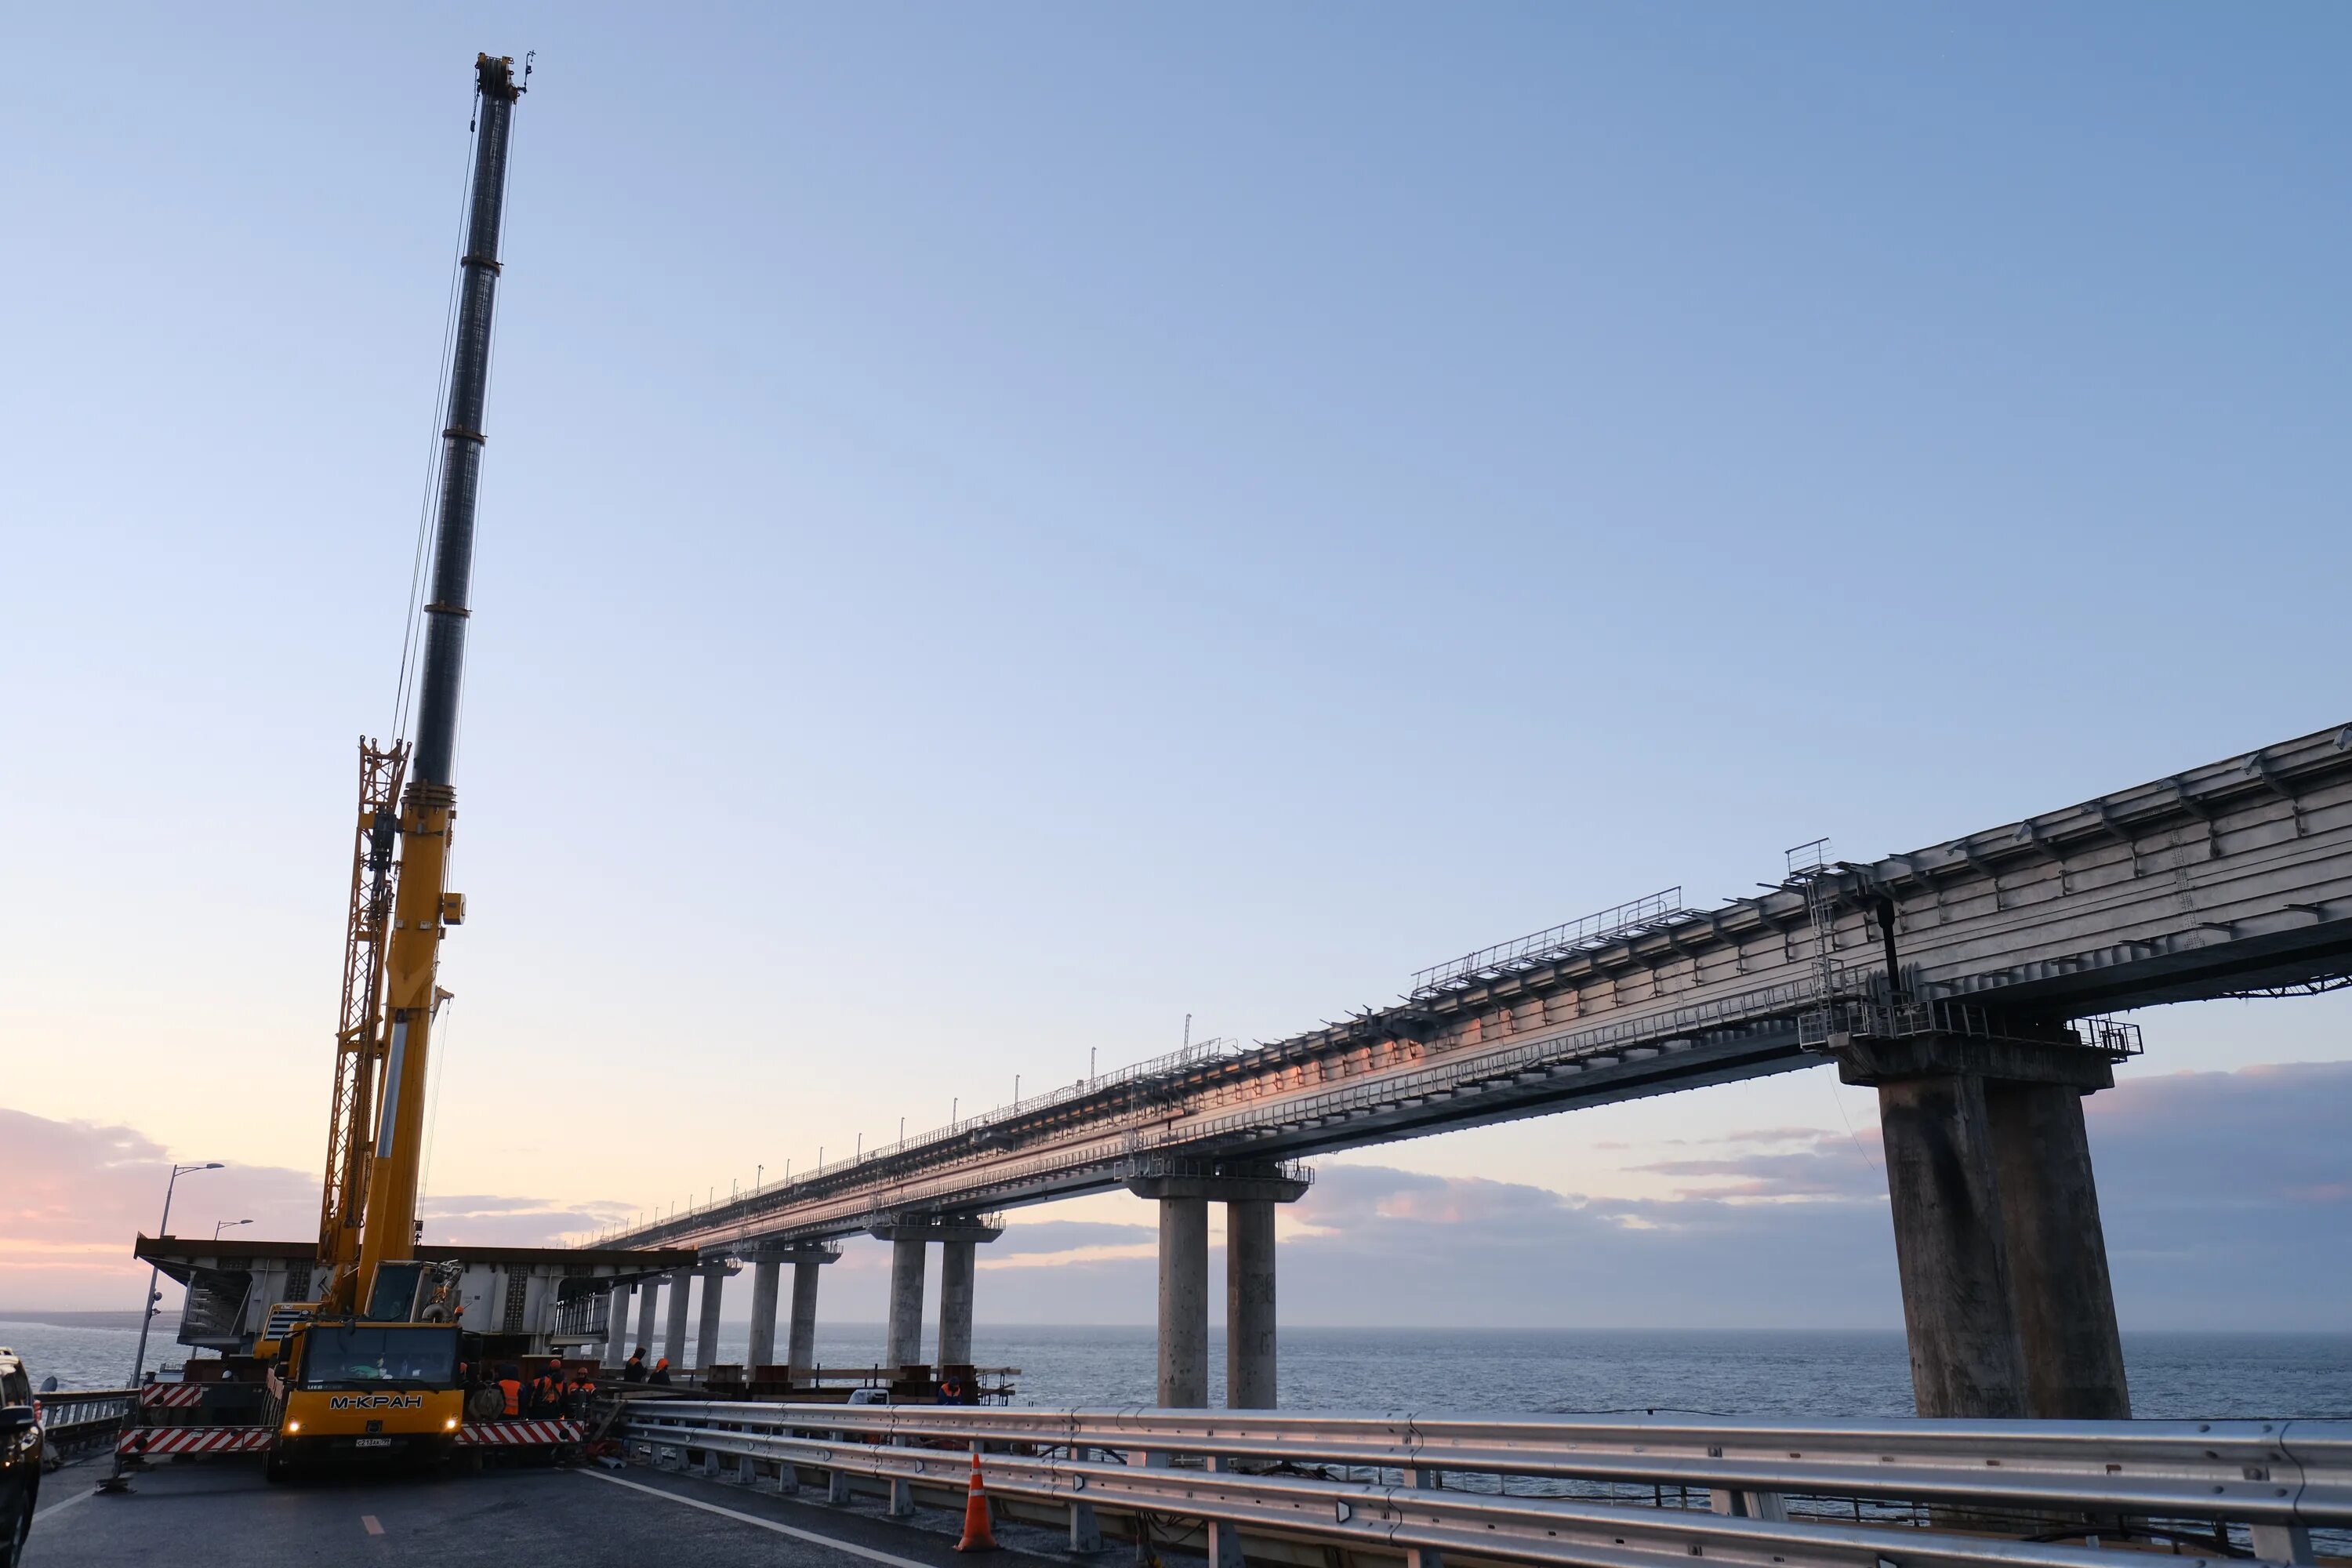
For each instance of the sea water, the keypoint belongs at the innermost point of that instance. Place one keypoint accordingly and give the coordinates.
(1760, 1372)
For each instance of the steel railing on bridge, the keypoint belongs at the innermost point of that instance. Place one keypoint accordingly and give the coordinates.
(81, 1419)
(1442, 1482)
(1663, 908)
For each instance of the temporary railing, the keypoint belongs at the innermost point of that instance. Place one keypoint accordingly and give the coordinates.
(1659, 908)
(2279, 1480)
(79, 1418)
(1172, 1065)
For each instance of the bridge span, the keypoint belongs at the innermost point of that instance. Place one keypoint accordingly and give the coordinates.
(1967, 982)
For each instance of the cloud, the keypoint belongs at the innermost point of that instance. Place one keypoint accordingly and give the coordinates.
(2214, 1186)
(73, 1194)
(1804, 1164)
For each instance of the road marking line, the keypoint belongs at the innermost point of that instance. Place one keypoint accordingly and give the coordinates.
(367, 1522)
(61, 1507)
(851, 1547)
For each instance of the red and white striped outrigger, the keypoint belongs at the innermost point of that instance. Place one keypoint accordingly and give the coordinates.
(517, 1433)
(253, 1439)
(173, 1395)
(194, 1440)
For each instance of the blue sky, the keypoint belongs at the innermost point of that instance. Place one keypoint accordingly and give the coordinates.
(1007, 527)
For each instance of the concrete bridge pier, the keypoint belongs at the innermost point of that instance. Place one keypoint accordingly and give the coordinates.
(706, 1338)
(616, 1324)
(801, 1347)
(648, 1292)
(910, 1237)
(673, 1345)
(2006, 1298)
(765, 1269)
(1249, 1194)
(959, 1261)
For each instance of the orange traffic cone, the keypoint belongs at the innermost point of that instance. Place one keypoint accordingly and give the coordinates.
(978, 1533)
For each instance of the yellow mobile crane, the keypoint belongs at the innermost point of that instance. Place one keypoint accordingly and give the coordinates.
(374, 1363)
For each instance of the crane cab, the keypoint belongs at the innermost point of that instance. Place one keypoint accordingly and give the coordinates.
(349, 1388)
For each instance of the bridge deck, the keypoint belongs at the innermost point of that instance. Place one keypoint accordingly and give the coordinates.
(2228, 879)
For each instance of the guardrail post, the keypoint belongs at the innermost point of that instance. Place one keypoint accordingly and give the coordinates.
(902, 1492)
(1086, 1535)
(1428, 1479)
(1770, 1507)
(1224, 1538)
(2283, 1543)
(836, 1480)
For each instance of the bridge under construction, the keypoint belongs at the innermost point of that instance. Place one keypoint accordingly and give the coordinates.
(1968, 983)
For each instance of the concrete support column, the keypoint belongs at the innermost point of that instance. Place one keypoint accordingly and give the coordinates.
(800, 1351)
(2006, 1299)
(959, 1261)
(764, 1280)
(681, 1288)
(909, 1236)
(1249, 1194)
(1249, 1305)
(648, 1292)
(1183, 1381)
(1949, 1247)
(906, 1343)
(706, 1340)
(2064, 1302)
(616, 1325)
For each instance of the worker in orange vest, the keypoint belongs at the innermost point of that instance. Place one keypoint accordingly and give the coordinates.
(547, 1389)
(510, 1388)
(577, 1395)
(661, 1370)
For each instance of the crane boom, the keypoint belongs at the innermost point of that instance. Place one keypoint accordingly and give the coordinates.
(369, 1214)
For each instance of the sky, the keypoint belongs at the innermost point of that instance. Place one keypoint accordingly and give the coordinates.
(1008, 530)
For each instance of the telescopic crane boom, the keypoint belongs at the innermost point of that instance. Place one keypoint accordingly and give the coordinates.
(399, 911)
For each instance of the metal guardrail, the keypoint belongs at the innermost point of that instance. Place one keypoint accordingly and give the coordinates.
(77, 1419)
(2279, 1478)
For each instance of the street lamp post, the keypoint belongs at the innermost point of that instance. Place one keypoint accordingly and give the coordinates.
(221, 1224)
(155, 1271)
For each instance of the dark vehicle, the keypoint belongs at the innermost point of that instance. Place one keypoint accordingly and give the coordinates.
(20, 1457)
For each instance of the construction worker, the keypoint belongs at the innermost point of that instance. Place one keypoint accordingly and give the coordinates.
(511, 1389)
(579, 1392)
(950, 1391)
(634, 1371)
(661, 1370)
(547, 1389)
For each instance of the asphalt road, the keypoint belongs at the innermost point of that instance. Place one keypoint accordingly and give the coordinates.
(225, 1512)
